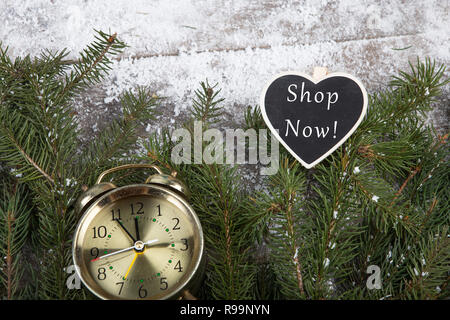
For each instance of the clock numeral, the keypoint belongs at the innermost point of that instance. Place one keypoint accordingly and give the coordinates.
(177, 221)
(115, 214)
(101, 274)
(99, 232)
(142, 292)
(94, 252)
(159, 210)
(121, 287)
(140, 206)
(185, 242)
(164, 284)
(178, 266)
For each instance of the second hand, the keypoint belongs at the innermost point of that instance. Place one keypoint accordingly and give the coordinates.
(131, 265)
(123, 250)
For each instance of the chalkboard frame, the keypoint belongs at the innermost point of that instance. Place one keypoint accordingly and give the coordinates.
(315, 80)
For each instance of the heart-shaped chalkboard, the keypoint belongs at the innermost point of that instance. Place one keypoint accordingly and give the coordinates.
(313, 117)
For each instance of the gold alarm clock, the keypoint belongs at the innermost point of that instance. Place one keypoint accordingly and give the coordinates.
(140, 241)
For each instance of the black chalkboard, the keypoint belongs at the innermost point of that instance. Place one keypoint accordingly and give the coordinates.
(310, 117)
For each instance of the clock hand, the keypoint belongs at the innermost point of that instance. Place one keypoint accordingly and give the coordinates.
(112, 253)
(122, 250)
(151, 241)
(136, 226)
(131, 265)
(114, 259)
(123, 227)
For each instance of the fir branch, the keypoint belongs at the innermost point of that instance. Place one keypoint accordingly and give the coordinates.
(94, 63)
(14, 228)
(159, 151)
(39, 139)
(402, 187)
(253, 119)
(334, 205)
(218, 203)
(429, 268)
(434, 202)
(19, 148)
(281, 207)
(295, 247)
(138, 107)
(381, 198)
(205, 105)
(30, 160)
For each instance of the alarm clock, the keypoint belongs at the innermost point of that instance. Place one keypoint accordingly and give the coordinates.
(140, 241)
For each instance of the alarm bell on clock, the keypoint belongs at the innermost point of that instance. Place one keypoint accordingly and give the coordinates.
(101, 187)
(139, 241)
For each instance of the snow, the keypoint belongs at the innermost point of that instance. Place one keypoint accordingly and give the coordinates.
(239, 44)
(326, 263)
(239, 73)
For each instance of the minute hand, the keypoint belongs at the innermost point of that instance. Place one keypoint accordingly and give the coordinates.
(151, 241)
(113, 253)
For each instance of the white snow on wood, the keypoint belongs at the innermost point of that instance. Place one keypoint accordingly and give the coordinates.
(239, 44)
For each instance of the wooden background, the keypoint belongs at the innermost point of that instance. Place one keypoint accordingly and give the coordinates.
(238, 44)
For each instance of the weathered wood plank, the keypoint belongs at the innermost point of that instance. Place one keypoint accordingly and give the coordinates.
(239, 44)
(168, 27)
(242, 74)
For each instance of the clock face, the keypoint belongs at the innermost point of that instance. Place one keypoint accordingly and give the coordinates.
(138, 242)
